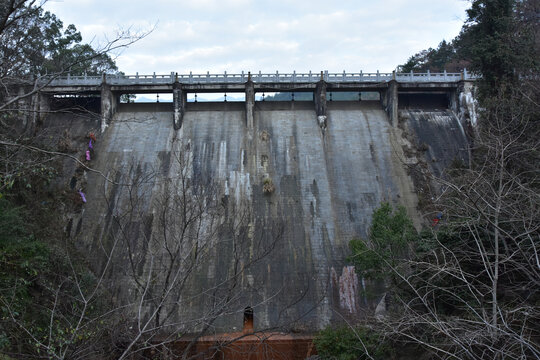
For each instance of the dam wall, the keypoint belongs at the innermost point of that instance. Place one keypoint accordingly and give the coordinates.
(204, 221)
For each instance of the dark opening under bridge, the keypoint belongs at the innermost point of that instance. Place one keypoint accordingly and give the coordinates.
(388, 85)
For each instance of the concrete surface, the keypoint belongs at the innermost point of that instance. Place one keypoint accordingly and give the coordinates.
(327, 182)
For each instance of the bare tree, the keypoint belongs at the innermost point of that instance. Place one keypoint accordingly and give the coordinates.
(469, 291)
(52, 306)
(34, 52)
(169, 241)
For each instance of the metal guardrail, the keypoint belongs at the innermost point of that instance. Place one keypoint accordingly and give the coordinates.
(276, 77)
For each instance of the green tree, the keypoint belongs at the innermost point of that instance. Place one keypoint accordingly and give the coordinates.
(444, 57)
(348, 343)
(35, 41)
(49, 301)
(474, 280)
(22, 258)
(390, 236)
(500, 39)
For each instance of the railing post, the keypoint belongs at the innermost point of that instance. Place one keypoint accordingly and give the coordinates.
(310, 76)
(260, 76)
(154, 78)
(277, 76)
(137, 75)
(294, 76)
(326, 75)
(465, 74)
(412, 75)
(378, 76)
(190, 77)
(344, 76)
(428, 75)
(361, 75)
(445, 75)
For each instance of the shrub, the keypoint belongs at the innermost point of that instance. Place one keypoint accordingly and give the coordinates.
(390, 234)
(346, 343)
(268, 186)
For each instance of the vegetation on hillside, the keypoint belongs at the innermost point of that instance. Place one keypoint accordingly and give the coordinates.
(467, 288)
(447, 56)
(42, 277)
(499, 40)
(35, 41)
(57, 303)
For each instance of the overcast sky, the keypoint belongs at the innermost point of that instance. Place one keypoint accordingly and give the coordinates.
(266, 35)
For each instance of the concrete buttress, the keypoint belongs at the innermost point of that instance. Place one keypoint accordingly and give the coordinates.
(320, 103)
(250, 103)
(179, 100)
(390, 102)
(40, 105)
(108, 104)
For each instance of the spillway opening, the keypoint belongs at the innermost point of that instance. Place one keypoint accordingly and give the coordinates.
(284, 96)
(146, 98)
(352, 95)
(216, 97)
(423, 101)
(308, 96)
(75, 103)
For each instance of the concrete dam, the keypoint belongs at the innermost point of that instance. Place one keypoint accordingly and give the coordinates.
(196, 212)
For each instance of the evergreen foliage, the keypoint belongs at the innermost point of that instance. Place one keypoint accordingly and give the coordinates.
(35, 42)
(390, 235)
(499, 41)
(467, 290)
(22, 260)
(346, 343)
(43, 290)
(444, 57)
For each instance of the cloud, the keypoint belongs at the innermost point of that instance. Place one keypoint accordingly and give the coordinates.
(250, 35)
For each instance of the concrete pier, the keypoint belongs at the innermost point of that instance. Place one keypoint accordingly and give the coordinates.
(250, 103)
(320, 103)
(109, 102)
(389, 100)
(179, 103)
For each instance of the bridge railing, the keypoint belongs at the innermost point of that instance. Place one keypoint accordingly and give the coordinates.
(227, 78)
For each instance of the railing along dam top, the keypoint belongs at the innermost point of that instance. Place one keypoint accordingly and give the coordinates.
(226, 78)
